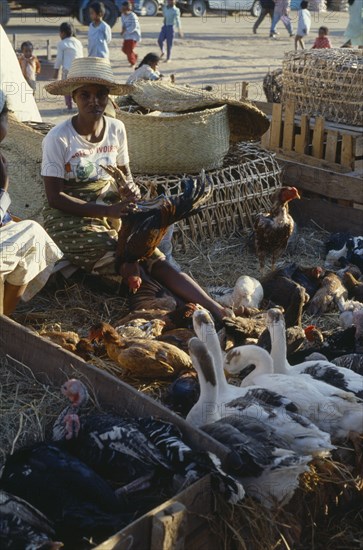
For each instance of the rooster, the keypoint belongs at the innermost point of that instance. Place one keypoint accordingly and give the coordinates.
(143, 229)
(273, 230)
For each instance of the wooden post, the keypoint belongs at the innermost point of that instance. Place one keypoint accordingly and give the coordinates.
(276, 123)
(331, 145)
(318, 137)
(244, 94)
(168, 528)
(49, 50)
(302, 140)
(358, 154)
(14, 41)
(347, 151)
(265, 139)
(289, 125)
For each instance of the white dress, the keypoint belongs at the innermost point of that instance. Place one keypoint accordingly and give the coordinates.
(303, 23)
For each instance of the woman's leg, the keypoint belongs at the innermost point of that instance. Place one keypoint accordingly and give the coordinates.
(12, 295)
(185, 287)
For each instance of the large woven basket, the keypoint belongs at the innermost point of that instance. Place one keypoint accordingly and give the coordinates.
(167, 144)
(327, 82)
(241, 189)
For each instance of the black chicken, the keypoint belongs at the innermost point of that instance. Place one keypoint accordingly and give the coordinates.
(143, 229)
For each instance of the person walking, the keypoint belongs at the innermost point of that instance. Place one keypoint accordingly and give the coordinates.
(99, 32)
(267, 8)
(354, 30)
(68, 48)
(281, 11)
(130, 31)
(171, 18)
(303, 24)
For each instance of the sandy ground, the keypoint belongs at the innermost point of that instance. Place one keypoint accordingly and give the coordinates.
(216, 50)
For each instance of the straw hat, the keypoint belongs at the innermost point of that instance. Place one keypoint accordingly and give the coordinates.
(88, 70)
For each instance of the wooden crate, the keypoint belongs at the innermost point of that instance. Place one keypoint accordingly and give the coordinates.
(182, 521)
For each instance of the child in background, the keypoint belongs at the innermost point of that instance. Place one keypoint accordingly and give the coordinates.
(68, 48)
(130, 31)
(29, 64)
(171, 17)
(323, 40)
(99, 32)
(147, 70)
(303, 24)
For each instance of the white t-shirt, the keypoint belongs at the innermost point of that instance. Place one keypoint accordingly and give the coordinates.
(69, 156)
(68, 49)
(145, 72)
(303, 23)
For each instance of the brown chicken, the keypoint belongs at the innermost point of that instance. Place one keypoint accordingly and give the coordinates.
(141, 357)
(273, 230)
(178, 337)
(143, 229)
(66, 339)
(331, 292)
(354, 287)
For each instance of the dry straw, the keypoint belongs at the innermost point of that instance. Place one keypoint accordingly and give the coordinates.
(327, 82)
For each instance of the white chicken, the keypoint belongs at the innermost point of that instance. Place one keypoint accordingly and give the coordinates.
(247, 292)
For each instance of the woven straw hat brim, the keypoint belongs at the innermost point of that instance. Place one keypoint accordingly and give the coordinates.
(67, 86)
(246, 120)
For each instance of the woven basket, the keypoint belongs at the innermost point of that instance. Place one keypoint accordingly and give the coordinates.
(246, 121)
(22, 149)
(326, 82)
(241, 188)
(180, 143)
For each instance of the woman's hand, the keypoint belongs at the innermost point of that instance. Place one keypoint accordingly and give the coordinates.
(120, 209)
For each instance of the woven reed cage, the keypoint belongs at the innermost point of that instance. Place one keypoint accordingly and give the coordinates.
(272, 86)
(162, 144)
(241, 189)
(326, 82)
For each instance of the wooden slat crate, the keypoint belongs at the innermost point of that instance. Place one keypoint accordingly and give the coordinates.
(181, 522)
(339, 145)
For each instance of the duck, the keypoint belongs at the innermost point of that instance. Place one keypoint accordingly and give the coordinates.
(23, 526)
(140, 452)
(322, 370)
(332, 410)
(351, 361)
(72, 495)
(276, 411)
(141, 357)
(266, 469)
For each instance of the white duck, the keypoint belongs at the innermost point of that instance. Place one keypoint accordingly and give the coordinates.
(219, 399)
(267, 470)
(324, 371)
(333, 410)
(247, 292)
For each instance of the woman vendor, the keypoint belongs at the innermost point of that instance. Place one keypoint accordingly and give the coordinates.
(84, 205)
(27, 254)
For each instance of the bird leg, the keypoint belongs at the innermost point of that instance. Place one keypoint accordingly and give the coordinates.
(139, 484)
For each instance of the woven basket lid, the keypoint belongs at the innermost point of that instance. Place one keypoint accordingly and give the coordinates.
(245, 119)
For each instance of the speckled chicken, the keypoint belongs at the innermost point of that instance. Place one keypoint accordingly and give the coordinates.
(331, 292)
(140, 357)
(273, 230)
(354, 287)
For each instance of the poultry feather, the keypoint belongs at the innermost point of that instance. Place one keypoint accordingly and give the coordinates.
(236, 330)
(23, 526)
(67, 339)
(247, 292)
(126, 186)
(331, 291)
(273, 230)
(178, 337)
(151, 295)
(141, 357)
(354, 287)
(143, 229)
(290, 295)
(182, 317)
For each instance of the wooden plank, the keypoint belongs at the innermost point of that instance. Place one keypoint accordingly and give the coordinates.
(347, 156)
(265, 139)
(331, 145)
(318, 138)
(358, 150)
(302, 139)
(265, 107)
(324, 182)
(244, 92)
(289, 126)
(276, 125)
(326, 214)
(168, 528)
(308, 160)
(52, 364)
